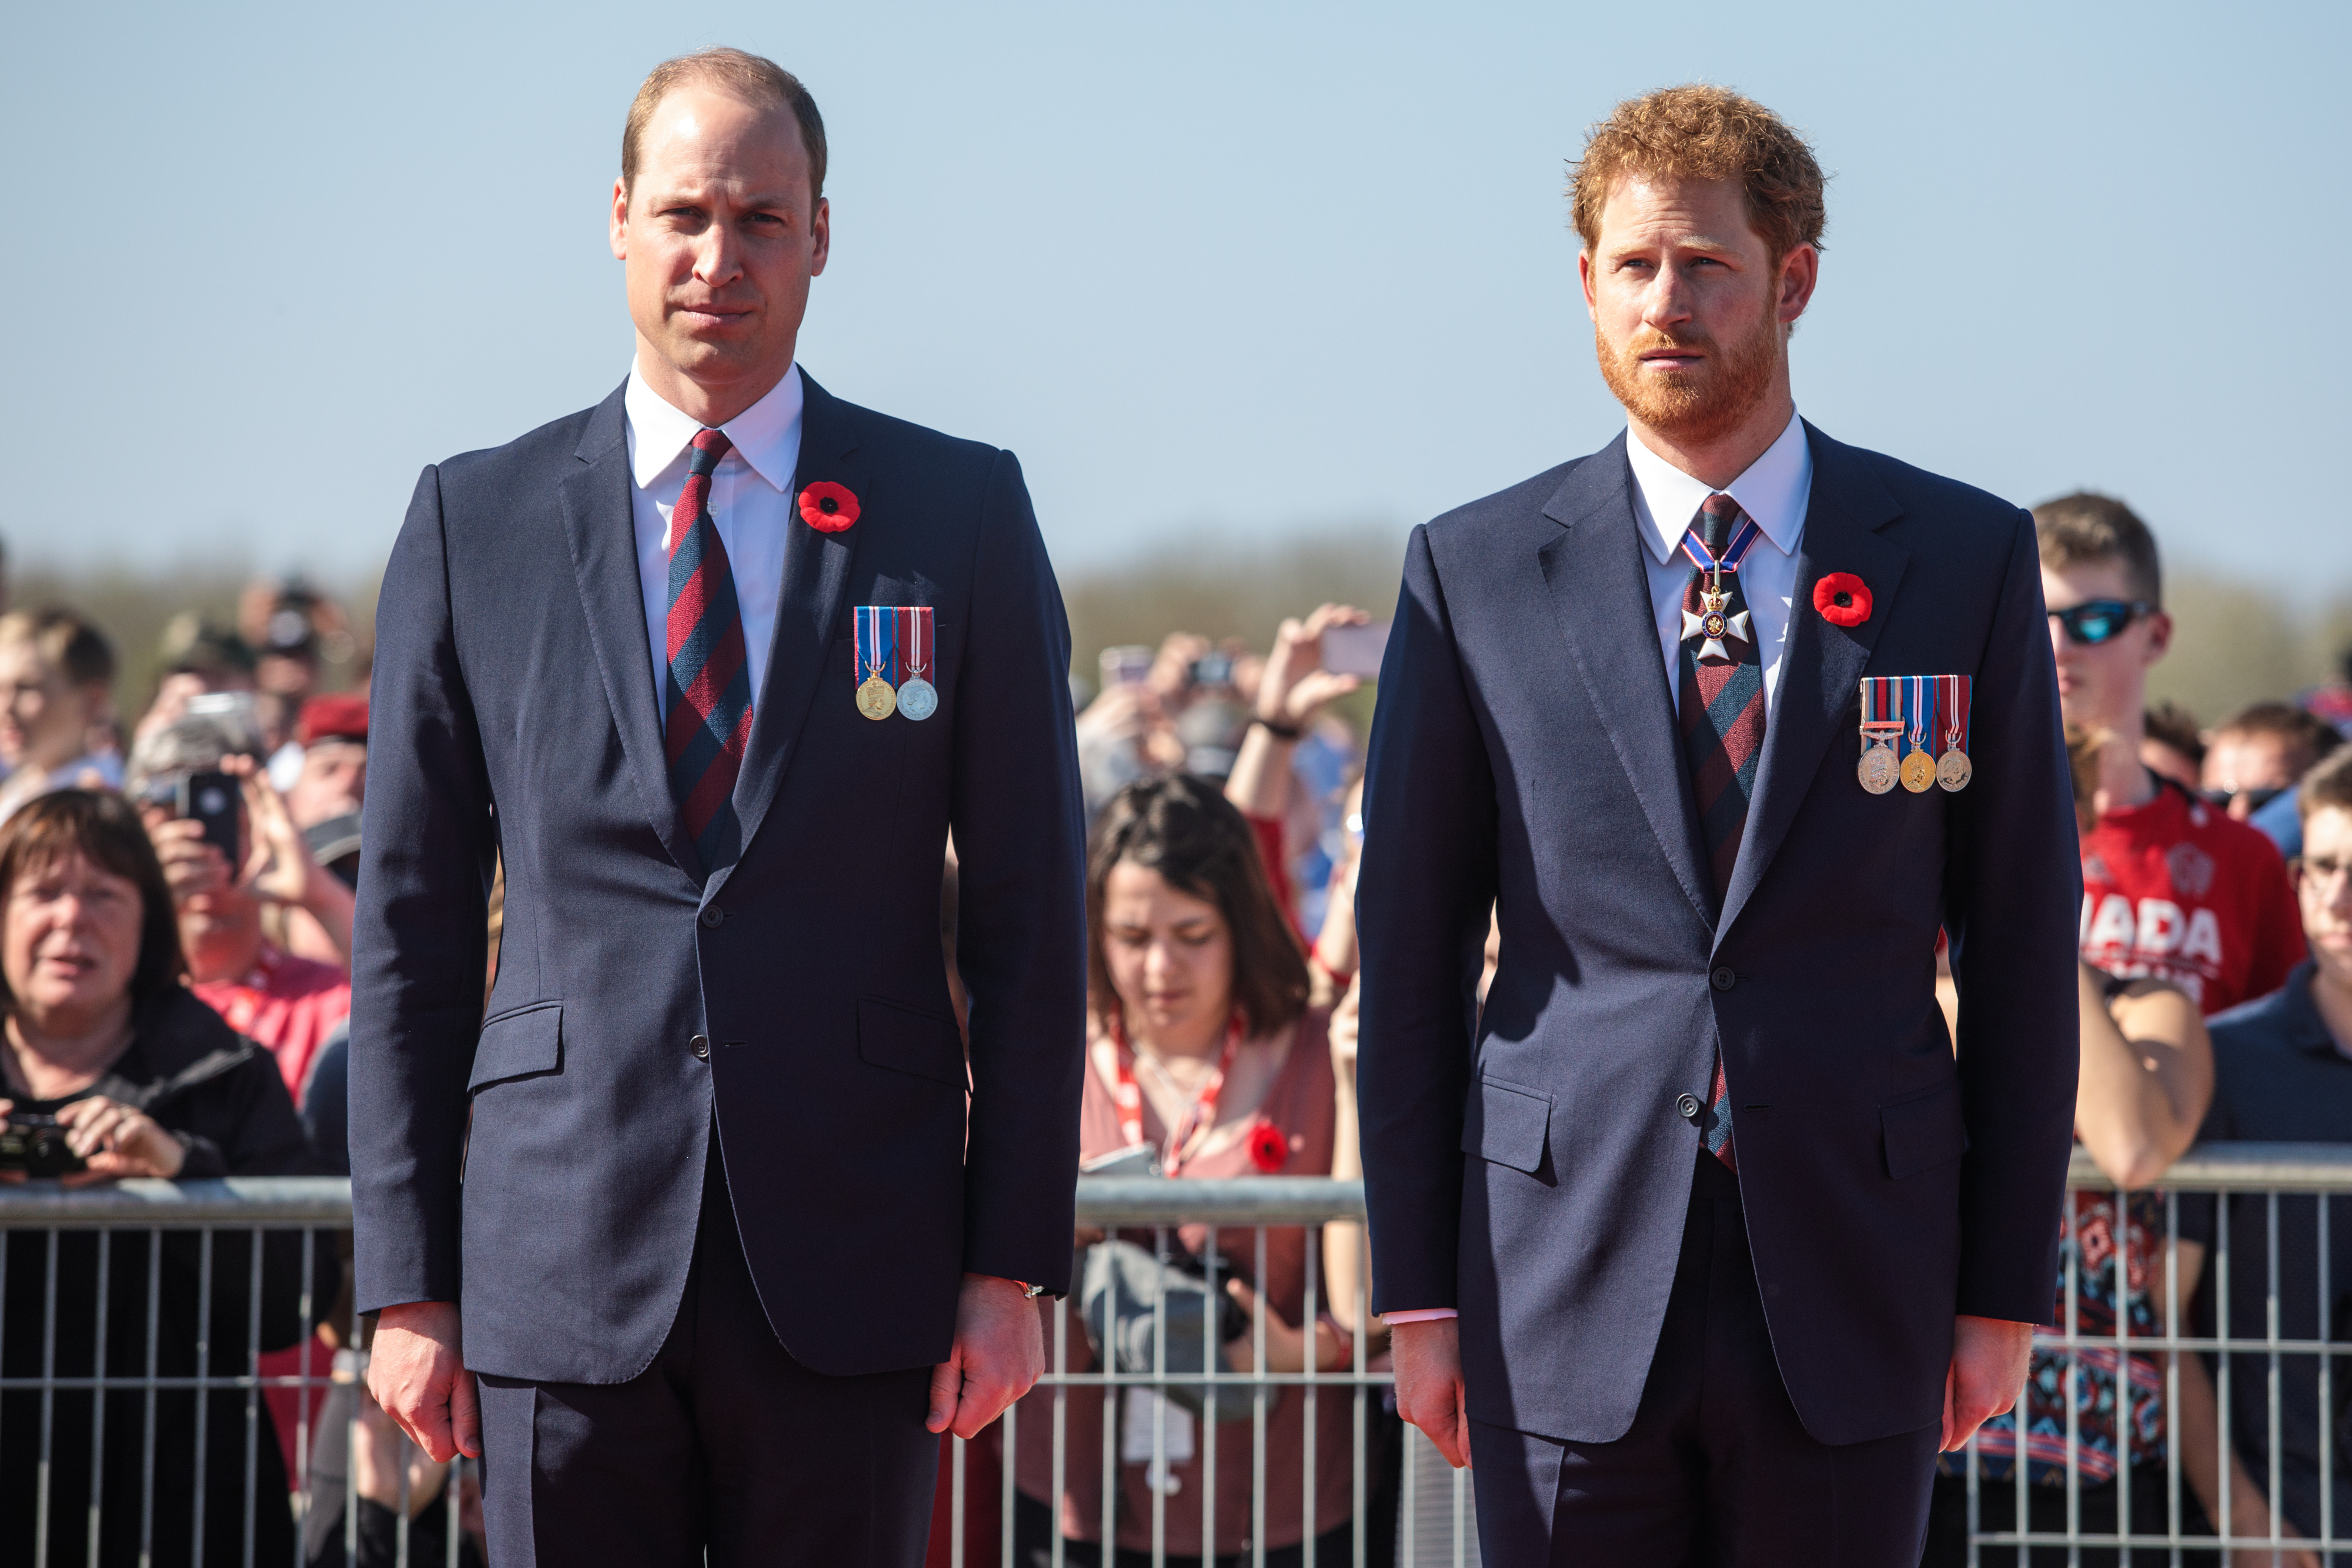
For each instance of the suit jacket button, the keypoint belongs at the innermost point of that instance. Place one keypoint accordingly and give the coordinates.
(714, 918)
(702, 1047)
(1686, 1106)
(1723, 979)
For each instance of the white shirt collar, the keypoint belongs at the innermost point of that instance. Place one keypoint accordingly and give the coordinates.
(766, 436)
(1772, 490)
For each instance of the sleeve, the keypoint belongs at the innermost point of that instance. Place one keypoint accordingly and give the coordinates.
(420, 939)
(1020, 838)
(2276, 925)
(1269, 833)
(2012, 887)
(1423, 889)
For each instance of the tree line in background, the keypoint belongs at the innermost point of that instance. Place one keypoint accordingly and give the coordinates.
(2236, 642)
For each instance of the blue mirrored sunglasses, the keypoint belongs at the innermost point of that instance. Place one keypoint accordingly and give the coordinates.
(2095, 620)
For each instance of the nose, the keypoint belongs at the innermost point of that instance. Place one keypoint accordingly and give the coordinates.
(718, 259)
(1667, 302)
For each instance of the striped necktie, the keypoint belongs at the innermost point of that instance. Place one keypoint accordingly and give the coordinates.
(707, 687)
(1719, 700)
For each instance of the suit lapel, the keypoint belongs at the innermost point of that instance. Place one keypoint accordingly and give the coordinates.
(809, 606)
(1601, 593)
(1822, 666)
(603, 533)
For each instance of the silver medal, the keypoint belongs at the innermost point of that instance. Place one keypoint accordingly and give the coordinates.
(918, 698)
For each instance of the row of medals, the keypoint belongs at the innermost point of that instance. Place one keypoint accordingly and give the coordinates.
(915, 698)
(1878, 771)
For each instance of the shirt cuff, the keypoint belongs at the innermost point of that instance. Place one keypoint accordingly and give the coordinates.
(1425, 1315)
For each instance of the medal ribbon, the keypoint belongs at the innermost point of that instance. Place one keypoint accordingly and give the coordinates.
(1955, 695)
(1129, 1096)
(1733, 553)
(1922, 713)
(915, 639)
(878, 643)
(1881, 705)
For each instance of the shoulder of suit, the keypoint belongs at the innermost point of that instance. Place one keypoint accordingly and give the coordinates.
(1948, 501)
(1507, 508)
(887, 436)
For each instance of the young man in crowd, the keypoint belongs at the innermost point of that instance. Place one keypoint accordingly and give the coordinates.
(2282, 1073)
(2172, 746)
(2253, 760)
(2171, 887)
(56, 683)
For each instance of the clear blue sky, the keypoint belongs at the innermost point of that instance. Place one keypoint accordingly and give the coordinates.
(1249, 268)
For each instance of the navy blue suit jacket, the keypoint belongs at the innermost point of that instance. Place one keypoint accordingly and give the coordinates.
(513, 712)
(1528, 1166)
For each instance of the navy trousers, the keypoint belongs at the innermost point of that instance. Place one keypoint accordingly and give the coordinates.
(724, 1445)
(1717, 1469)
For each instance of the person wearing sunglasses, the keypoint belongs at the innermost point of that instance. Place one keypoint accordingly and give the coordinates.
(2173, 888)
(2253, 759)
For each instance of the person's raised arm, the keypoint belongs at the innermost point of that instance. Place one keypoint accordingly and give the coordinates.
(419, 940)
(2147, 1076)
(1290, 693)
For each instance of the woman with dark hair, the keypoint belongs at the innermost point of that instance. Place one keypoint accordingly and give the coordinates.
(1203, 1049)
(139, 1079)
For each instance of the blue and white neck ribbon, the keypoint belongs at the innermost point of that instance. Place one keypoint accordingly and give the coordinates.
(878, 643)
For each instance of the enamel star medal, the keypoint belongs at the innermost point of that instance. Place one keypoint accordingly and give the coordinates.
(1919, 765)
(1713, 623)
(1882, 727)
(918, 698)
(1954, 695)
(877, 660)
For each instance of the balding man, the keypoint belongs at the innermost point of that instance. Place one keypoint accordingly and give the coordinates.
(713, 668)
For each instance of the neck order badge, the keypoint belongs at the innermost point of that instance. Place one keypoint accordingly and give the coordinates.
(877, 660)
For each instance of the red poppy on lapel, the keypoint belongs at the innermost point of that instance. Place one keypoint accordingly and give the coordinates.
(828, 507)
(1842, 599)
(1268, 1149)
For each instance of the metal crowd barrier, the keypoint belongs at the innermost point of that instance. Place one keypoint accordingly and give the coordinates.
(1406, 1507)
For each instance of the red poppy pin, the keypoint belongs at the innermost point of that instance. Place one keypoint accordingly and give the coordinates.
(1269, 1151)
(1842, 599)
(828, 507)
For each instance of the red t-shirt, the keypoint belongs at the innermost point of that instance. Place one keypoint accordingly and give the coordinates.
(2180, 891)
(287, 1004)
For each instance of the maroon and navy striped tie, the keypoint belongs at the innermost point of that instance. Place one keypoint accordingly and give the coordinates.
(1720, 702)
(707, 688)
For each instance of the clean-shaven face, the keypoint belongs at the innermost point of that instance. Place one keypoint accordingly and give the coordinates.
(2104, 686)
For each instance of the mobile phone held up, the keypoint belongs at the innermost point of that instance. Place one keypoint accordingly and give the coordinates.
(212, 798)
(1355, 650)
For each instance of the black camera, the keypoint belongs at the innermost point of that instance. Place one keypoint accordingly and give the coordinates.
(1211, 670)
(36, 1145)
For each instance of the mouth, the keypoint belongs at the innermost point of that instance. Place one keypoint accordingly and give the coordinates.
(708, 316)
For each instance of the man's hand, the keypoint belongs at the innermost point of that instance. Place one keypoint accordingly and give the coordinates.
(1987, 1373)
(1429, 1383)
(1000, 1353)
(416, 1370)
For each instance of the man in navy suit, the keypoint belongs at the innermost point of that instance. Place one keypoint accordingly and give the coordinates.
(704, 1233)
(1695, 1233)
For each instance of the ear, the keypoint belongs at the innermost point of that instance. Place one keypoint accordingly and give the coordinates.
(1801, 269)
(1584, 276)
(620, 220)
(2159, 635)
(821, 231)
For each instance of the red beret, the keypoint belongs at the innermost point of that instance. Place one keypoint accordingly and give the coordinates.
(342, 717)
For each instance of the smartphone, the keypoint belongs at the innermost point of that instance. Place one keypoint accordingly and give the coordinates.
(212, 798)
(1126, 666)
(1355, 650)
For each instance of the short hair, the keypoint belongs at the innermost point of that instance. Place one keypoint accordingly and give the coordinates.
(2289, 723)
(105, 830)
(2169, 723)
(67, 641)
(1701, 133)
(2087, 526)
(196, 744)
(1185, 828)
(2326, 786)
(749, 77)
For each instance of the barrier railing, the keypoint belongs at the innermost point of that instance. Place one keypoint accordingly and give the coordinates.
(144, 1372)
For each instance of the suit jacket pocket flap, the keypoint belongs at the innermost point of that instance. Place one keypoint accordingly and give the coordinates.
(906, 1040)
(519, 1043)
(1924, 1132)
(1507, 1125)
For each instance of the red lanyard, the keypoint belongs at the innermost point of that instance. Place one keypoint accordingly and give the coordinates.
(1202, 1116)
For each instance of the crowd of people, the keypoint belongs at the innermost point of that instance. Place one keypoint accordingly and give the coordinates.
(176, 898)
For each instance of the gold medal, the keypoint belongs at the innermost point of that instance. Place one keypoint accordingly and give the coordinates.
(1876, 770)
(1953, 769)
(875, 699)
(1919, 772)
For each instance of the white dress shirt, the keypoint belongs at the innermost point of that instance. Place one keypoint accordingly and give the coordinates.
(1773, 490)
(752, 505)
